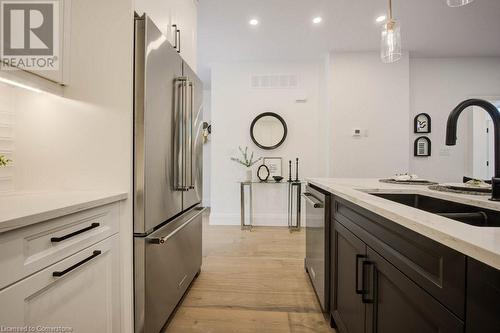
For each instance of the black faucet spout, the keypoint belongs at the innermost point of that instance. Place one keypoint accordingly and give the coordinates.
(451, 127)
(451, 135)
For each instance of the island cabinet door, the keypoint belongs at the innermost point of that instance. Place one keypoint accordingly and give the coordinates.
(483, 298)
(396, 304)
(349, 310)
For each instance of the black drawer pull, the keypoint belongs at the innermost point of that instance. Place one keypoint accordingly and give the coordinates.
(69, 269)
(60, 239)
(372, 292)
(358, 290)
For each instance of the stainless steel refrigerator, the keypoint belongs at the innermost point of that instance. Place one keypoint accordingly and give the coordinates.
(167, 176)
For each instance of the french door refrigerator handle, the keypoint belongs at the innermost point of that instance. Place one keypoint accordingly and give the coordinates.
(185, 134)
(191, 122)
(179, 92)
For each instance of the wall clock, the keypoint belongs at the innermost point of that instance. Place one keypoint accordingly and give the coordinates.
(422, 147)
(422, 123)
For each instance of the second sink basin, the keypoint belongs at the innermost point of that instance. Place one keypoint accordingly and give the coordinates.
(476, 216)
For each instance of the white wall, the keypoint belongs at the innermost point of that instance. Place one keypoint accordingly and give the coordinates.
(374, 97)
(83, 140)
(234, 105)
(437, 86)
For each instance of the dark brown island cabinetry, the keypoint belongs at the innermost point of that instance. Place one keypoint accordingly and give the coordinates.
(483, 298)
(386, 278)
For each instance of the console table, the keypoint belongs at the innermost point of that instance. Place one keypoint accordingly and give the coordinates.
(293, 205)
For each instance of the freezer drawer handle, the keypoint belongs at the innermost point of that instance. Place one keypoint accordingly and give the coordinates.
(163, 240)
(311, 199)
(60, 239)
(78, 264)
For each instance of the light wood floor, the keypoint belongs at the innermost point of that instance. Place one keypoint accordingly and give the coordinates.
(250, 282)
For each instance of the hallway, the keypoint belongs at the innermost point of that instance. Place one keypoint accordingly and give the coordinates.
(250, 282)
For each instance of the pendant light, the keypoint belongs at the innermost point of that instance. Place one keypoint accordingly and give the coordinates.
(391, 39)
(458, 3)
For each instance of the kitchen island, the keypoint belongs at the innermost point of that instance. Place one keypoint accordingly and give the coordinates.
(395, 268)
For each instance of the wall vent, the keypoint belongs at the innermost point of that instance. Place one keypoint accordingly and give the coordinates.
(276, 81)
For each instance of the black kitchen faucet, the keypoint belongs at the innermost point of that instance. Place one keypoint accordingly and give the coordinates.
(451, 136)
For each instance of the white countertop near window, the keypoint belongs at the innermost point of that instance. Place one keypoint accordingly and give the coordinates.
(480, 243)
(19, 209)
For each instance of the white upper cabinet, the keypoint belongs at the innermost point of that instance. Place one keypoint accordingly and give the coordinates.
(178, 21)
(45, 55)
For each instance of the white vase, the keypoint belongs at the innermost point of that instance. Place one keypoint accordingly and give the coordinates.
(248, 175)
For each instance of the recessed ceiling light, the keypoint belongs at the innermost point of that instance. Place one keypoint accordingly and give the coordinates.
(381, 18)
(254, 22)
(317, 20)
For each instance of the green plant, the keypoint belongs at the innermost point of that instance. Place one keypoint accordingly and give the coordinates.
(4, 161)
(248, 162)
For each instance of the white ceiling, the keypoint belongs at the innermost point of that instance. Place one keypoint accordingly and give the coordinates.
(285, 32)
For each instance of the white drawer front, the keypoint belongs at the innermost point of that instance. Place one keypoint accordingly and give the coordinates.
(27, 250)
(85, 298)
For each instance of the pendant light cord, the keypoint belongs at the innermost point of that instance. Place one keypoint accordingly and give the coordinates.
(390, 10)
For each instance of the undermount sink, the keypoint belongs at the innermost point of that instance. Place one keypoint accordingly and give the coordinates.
(476, 216)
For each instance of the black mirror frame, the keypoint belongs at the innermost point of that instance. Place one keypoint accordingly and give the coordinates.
(267, 175)
(269, 114)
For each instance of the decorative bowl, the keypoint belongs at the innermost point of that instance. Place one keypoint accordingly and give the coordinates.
(277, 178)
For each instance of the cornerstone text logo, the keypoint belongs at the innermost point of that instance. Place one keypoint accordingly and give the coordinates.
(30, 35)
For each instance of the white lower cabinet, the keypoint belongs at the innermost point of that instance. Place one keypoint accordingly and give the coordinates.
(81, 292)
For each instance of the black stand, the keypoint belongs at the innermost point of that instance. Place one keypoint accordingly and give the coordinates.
(297, 169)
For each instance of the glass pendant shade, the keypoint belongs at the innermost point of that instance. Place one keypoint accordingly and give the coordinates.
(458, 3)
(390, 48)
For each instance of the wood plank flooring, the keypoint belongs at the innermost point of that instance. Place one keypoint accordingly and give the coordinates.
(251, 281)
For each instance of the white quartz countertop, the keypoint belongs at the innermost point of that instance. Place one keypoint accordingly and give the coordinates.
(21, 209)
(480, 243)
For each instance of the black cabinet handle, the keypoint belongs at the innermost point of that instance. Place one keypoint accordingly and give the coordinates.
(175, 33)
(372, 292)
(69, 269)
(60, 239)
(179, 41)
(358, 290)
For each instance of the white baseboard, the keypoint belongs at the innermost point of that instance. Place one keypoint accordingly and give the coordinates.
(264, 220)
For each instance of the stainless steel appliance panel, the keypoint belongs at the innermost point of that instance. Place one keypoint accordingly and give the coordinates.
(316, 251)
(170, 258)
(156, 106)
(194, 139)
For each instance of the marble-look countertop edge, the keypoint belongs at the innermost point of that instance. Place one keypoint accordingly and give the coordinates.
(42, 215)
(396, 213)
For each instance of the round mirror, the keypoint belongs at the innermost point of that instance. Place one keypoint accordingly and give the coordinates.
(268, 130)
